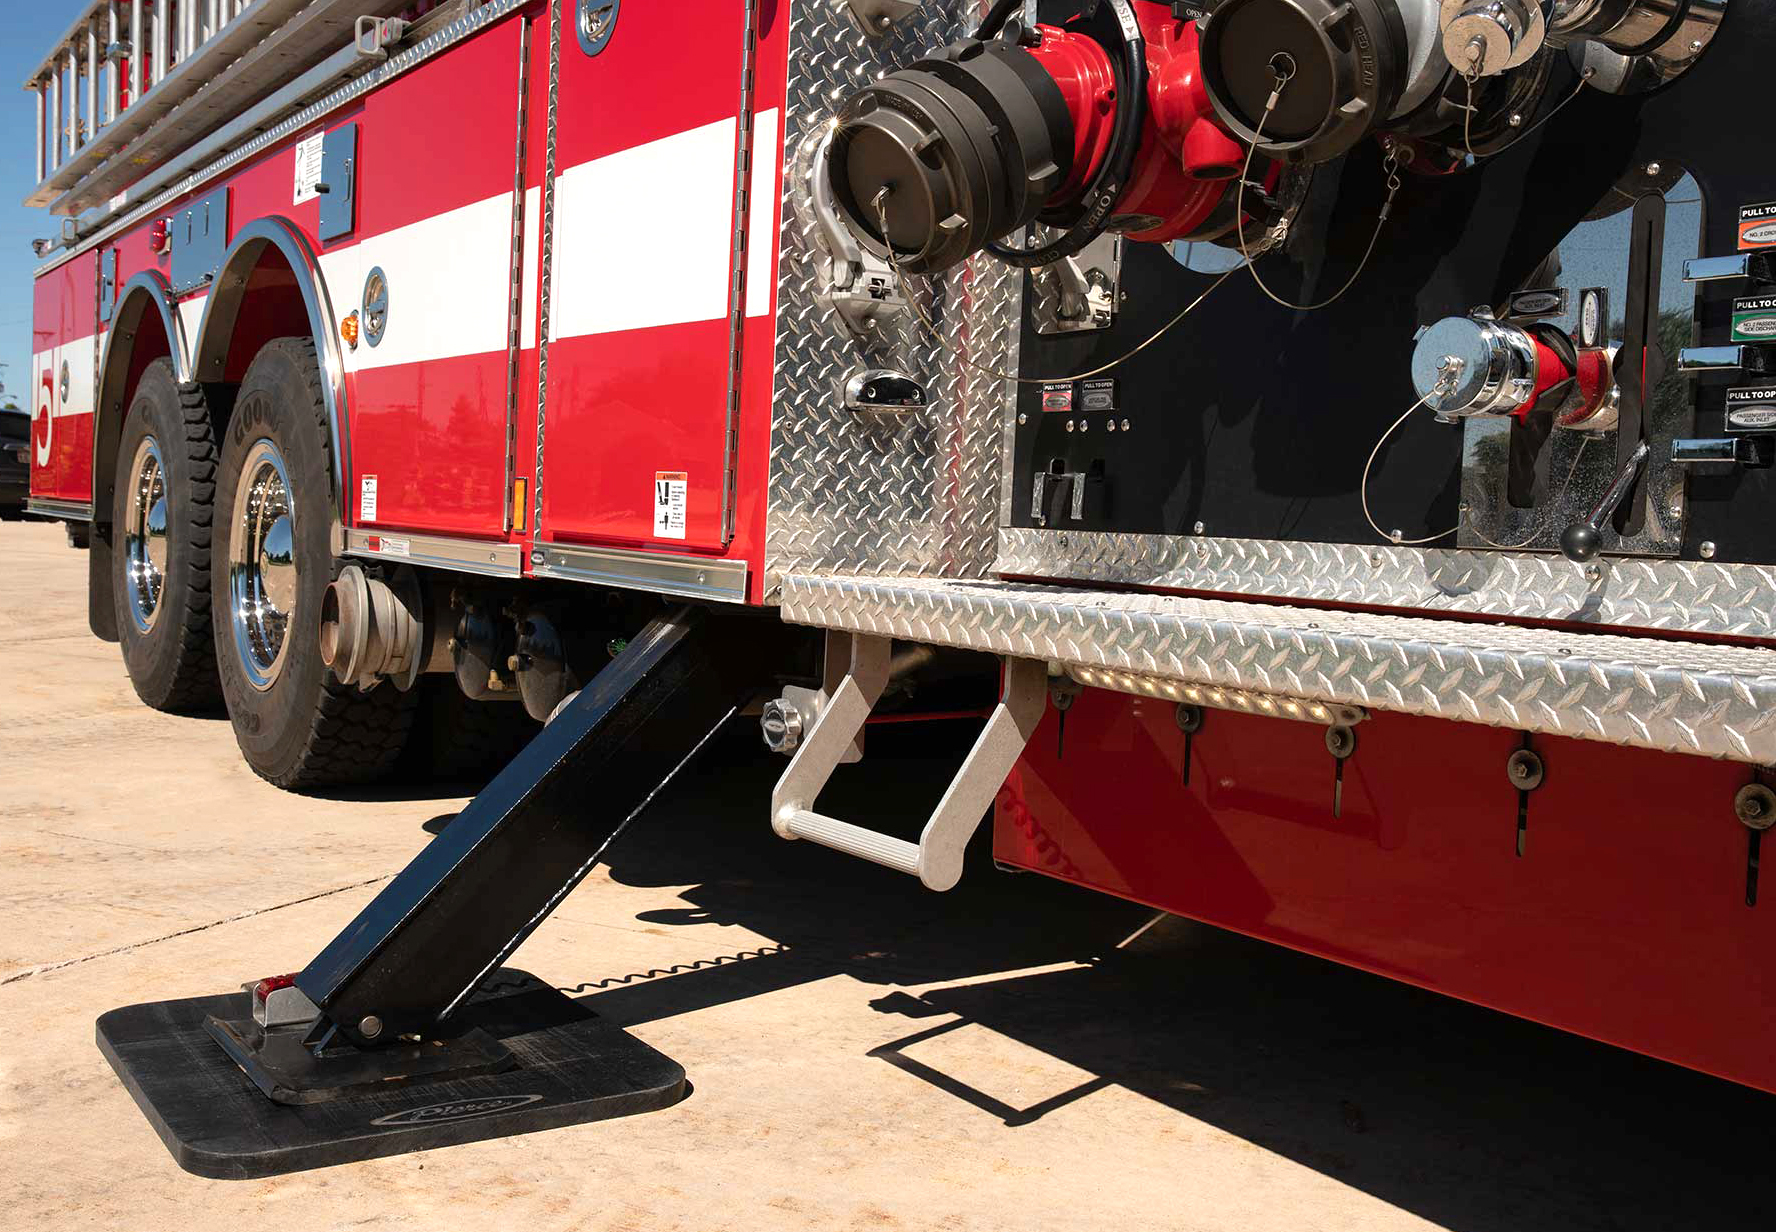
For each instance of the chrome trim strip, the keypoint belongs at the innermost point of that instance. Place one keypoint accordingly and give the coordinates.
(1216, 697)
(1681, 595)
(210, 349)
(517, 279)
(546, 276)
(744, 154)
(1682, 697)
(440, 551)
(411, 57)
(689, 577)
(66, 510)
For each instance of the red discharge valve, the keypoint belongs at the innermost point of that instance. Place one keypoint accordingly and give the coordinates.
(1476, 365)
(958, 150)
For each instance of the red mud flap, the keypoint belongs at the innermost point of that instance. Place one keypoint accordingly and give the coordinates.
(571, 1067)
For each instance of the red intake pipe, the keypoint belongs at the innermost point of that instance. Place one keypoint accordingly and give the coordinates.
(968, 146)
(1187, 159)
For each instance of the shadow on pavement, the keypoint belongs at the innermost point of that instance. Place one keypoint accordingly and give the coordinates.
(1473, 1120)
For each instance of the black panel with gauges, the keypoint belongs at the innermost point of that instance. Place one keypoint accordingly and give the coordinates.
(1614, 244)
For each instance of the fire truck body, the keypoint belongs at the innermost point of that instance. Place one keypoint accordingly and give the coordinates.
(431, 408)
(629, 299)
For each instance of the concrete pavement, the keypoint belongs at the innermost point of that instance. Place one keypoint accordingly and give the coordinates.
(1014, 1055)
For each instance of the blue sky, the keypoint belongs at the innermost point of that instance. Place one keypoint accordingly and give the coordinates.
(27, 32)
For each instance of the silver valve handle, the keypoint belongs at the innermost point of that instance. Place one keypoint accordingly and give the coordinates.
(1750, 265)
(1581, 541)
(1746, 357)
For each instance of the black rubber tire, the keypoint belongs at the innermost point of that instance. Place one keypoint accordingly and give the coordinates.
(456, 740)
(172, 665)
(306, 730)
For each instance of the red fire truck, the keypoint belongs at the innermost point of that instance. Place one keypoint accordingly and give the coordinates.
(1340, 430)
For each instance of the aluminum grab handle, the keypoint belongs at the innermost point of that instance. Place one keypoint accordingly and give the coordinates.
(936, 859)
(872, 845)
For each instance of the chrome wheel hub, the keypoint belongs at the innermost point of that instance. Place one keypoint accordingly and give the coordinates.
(145, 534)
(262, 565)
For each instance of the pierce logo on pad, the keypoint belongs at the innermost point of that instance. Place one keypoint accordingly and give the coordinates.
(457, 1110)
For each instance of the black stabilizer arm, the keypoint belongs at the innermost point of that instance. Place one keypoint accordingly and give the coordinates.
(448, 920)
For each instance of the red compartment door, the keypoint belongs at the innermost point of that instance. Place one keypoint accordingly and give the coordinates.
(635, 416)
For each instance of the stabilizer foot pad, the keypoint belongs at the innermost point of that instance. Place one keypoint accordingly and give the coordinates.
(572, 1067)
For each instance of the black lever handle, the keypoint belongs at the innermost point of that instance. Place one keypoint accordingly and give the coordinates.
(1580, 541)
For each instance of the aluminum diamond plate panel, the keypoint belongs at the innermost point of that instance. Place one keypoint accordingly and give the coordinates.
(1692, 596)
(1716, 701)
(866, 493)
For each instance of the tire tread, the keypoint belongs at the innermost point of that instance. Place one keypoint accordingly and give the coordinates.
(354, 737)
(194, 686)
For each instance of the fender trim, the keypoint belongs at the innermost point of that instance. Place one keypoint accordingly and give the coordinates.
(228, 291)
(149, 287)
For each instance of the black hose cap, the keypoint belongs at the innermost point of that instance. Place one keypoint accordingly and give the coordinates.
(896, 135)
(1343, 59)
(969, 144)
(1032, 129)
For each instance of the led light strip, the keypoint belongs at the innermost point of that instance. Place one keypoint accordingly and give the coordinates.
(1215, 697)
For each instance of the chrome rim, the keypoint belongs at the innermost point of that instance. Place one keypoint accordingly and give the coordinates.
(262, 565)
(145, 534)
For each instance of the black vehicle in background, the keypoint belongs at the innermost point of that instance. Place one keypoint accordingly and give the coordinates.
(15, 461)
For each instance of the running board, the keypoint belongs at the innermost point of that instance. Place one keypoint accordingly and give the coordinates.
(936, 859)
(405, 1032)
(1703, 698)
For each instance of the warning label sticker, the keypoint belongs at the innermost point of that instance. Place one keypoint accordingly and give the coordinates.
(1098, 395)
(308, 167)
(669, 504)
(1057, 396)
(367, 499)
(1757, 226)
(388, 546)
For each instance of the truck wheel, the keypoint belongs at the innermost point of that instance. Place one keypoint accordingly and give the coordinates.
(296, 724)
(166, 486)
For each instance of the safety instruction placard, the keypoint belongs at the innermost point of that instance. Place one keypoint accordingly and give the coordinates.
(367, 498)
(669, 504)
(1752, 408)
(1754, 318)
(308, 167)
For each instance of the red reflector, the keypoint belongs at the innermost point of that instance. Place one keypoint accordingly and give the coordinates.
(270, 984)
